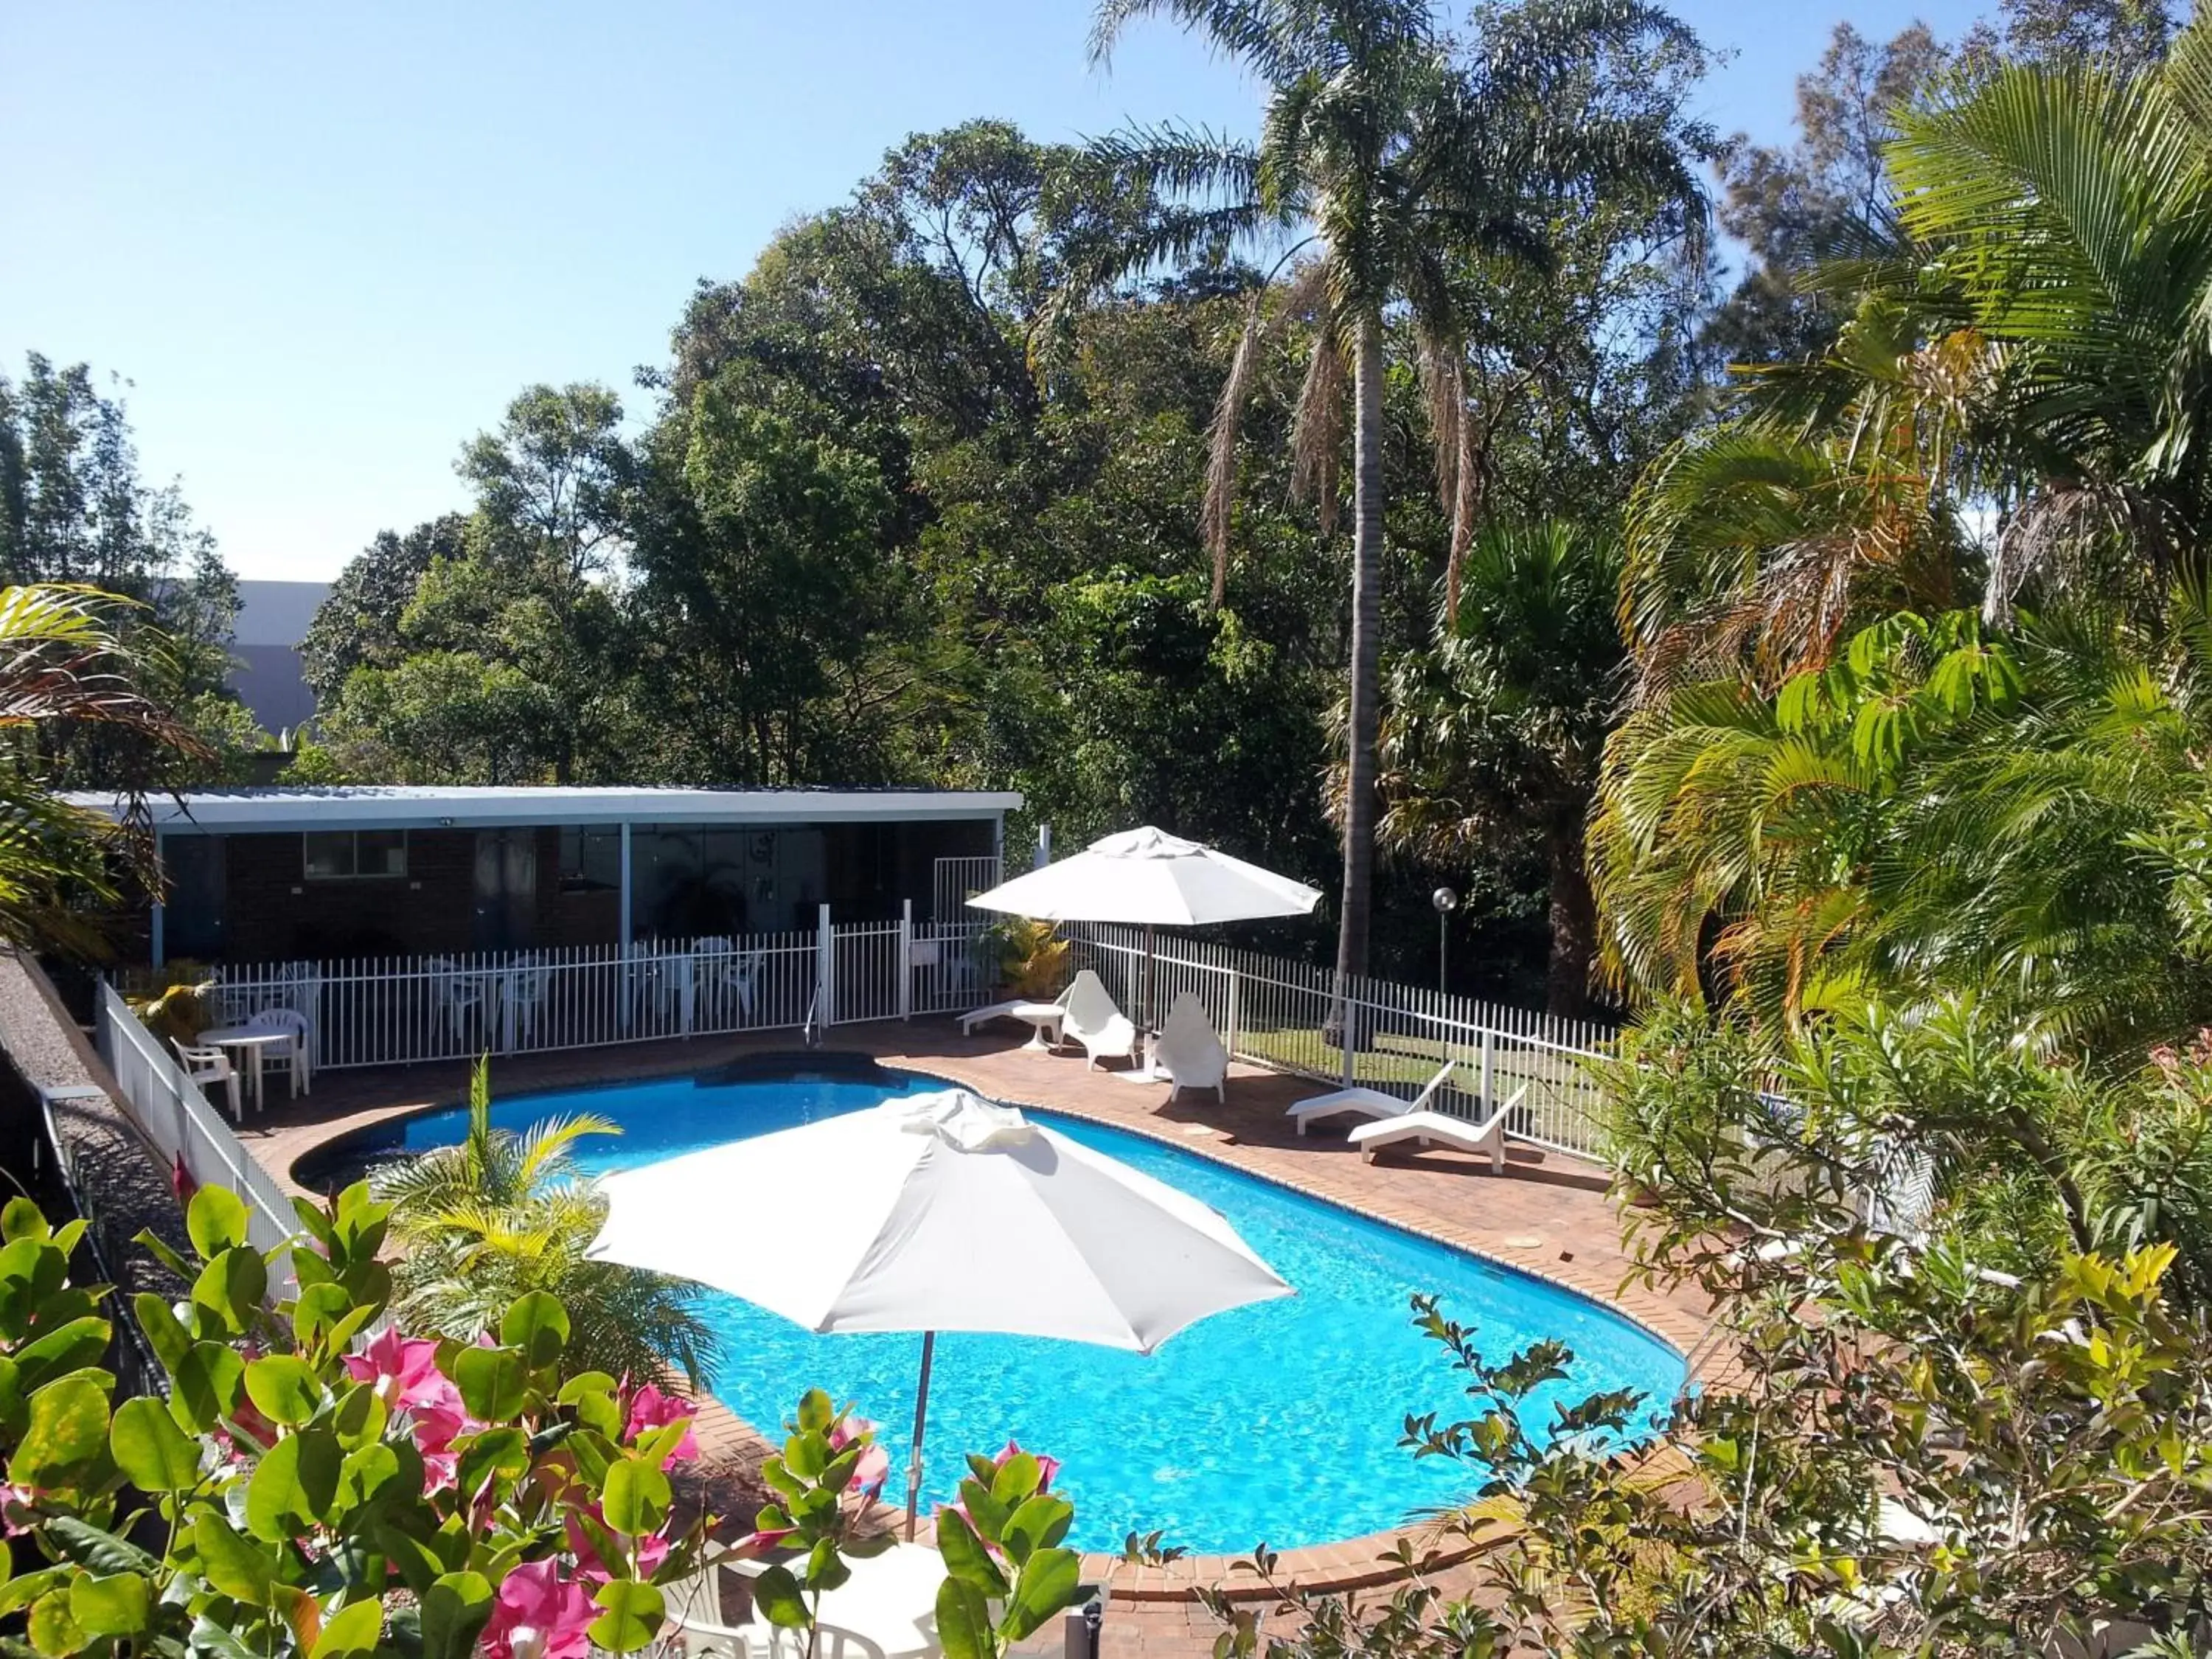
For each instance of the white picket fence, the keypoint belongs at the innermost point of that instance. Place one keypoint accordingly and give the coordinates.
(1286, 1015)
(383, 1010)
(172, 1113)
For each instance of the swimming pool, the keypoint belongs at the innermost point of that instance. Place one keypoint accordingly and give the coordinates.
(1278, 1422)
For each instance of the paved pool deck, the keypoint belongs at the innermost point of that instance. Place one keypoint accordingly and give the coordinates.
(1548, 1215)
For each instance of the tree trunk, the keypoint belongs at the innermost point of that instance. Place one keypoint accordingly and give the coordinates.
(1574, 923)
(1366, 695)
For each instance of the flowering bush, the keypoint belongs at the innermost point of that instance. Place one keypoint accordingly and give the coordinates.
(322, 1488)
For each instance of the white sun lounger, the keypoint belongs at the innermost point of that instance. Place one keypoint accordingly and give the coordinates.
(1364, 1101)
(1434, 1128)
(1089, 1018)
(1043, 1018)
(1190, 1052)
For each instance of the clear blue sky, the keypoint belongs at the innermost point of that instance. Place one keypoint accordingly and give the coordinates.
(326, 244)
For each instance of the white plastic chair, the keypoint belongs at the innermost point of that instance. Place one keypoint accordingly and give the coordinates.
(1190, 1052)
(461, 996)
(1090, 1017)
(1486, 1138)
(206, 1066)
(524, 989)
(1360, 1101)
(694, 1608)
(295, 1052)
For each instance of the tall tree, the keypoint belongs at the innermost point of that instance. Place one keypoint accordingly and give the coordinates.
(1390, 151)
(1492, 738)
(357, 626)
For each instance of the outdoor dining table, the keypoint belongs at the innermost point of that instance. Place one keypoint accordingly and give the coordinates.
(251, 1039)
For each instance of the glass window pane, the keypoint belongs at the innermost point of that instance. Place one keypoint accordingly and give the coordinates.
(380, 853)
(329, 852)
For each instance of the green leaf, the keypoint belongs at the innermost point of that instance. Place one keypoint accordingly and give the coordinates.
(1050, 1583)
(293, 1484)
(636, 1497)
(70, 1347)
(232, 1562)
(591, 1395)
(171, 1341)
(316, 1309)
(493, 1382)
(153, 1453)
(96, 1547)
(538, 1325)
(206, 1386)
(815, 1413)
(777, 1597)
(350, 1630)
(361, 1416)
(1017, 1478)
(368, 1473)
(285, 1388)
(230, 1288)
(963, 1621)
(503, 1451)
(22, 1218)
(1039, 1523)
(965, 1558)
(117, 1605)
(68, 1428)
(633, 1615)
(415, 1546)
(53, 1628)
(25, 1588)
(215, 1219)
(987, 1514)
(455, 1610)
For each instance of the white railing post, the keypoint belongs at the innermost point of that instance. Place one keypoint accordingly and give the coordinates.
(1489, 1055)
(1235, 1009)
(825, 972)
(906, 959)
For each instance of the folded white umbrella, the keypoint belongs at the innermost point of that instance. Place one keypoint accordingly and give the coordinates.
(1147, 876)
(1080, 1246)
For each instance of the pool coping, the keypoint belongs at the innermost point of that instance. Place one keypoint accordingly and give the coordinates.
(1364, 1561)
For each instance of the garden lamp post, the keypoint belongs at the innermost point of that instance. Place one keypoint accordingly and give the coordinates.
(1446, 902)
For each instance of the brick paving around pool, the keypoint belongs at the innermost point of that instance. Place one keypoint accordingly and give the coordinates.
(1547, 1215)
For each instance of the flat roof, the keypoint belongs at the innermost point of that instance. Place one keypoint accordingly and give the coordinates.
(410, 807)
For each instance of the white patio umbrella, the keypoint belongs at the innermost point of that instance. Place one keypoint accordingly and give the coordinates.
(936, 1212)
(1150, 877)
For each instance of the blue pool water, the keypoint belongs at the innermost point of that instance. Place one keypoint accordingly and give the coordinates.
(1276, 1423)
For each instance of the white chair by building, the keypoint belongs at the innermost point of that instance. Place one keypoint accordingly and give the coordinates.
(1091, 1017)
(1189, 1053)
(206, 1066)
(1485, 1138)
(296, 1054)
(524, 985)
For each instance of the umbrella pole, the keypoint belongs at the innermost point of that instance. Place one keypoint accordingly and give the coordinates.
(921, 1419)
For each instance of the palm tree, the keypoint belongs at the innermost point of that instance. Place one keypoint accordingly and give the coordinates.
(1492, 738)
(64, 662)
(1395, 157)
(500, 1214)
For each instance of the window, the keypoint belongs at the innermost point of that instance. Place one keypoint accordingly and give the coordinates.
(591, 859)
(343, 854)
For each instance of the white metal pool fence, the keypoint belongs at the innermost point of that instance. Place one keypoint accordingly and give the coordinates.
(1287, 1015)
(184, 1128)
(384, 1010)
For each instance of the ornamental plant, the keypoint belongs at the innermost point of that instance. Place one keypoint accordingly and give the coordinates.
(318, 1485)
(1006, 1571)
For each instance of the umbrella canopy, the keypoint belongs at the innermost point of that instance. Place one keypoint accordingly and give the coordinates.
(937, 1213)
(898, 1210)
(1151, 877)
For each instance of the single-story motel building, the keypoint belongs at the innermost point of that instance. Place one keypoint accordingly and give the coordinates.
(278, 874)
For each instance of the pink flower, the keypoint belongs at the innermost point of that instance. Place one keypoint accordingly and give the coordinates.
(650, 1409)
(538, 1617)
(17, 1515)
(648, 1552)
(875, 1465)
(404, 1369)
(757, 1542)
(442, 1469)
(1046, 1467)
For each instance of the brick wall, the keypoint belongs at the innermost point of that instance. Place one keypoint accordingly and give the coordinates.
(275, 914)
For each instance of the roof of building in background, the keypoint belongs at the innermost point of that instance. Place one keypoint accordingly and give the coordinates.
(410, 807)
(272, 620)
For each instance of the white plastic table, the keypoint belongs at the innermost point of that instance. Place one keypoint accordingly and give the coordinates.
(890, 1600)
(251, 1039)
(1042, 1018)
